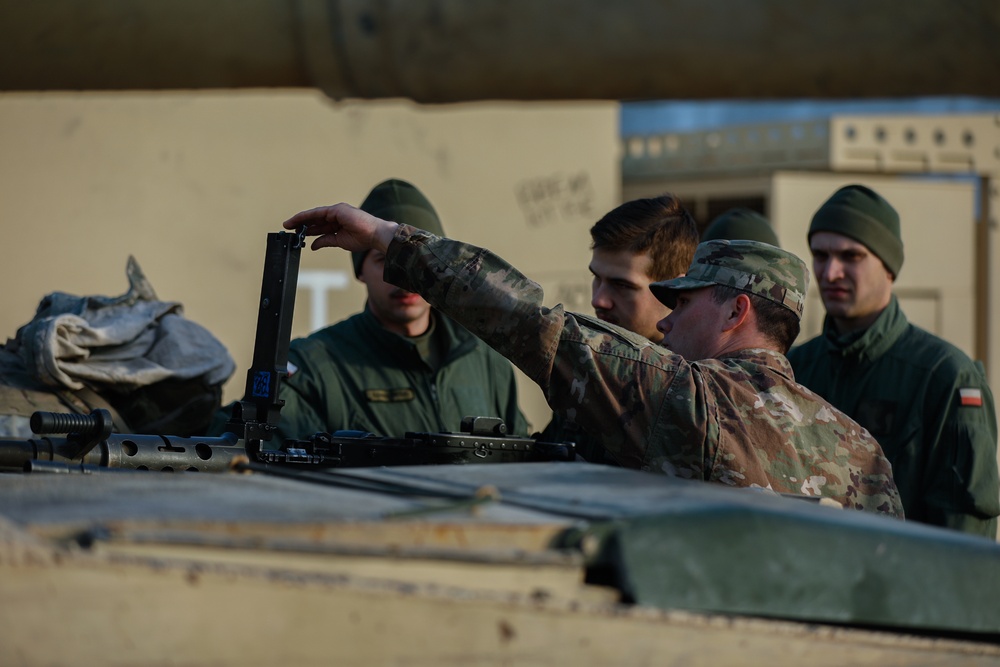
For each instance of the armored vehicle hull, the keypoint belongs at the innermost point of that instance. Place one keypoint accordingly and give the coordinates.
(535, 563)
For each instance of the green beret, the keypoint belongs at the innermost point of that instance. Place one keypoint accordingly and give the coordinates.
(861, 214)
(741, 224)
(754, 267)
(399, 201)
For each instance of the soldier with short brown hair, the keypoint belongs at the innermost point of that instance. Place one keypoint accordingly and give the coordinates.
(633, 245)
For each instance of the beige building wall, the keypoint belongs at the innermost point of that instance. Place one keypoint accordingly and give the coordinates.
(191, 182)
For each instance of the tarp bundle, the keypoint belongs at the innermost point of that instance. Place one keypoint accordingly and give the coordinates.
(131, 352)
(132, 340)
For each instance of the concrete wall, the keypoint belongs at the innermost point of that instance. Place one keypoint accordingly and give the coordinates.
(190, 183)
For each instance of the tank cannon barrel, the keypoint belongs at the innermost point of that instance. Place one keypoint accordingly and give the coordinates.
(438, 51)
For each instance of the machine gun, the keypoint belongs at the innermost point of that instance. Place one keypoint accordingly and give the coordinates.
(90, 442)
(481, 440)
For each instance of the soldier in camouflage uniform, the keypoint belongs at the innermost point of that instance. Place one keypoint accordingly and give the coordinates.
(730, 412)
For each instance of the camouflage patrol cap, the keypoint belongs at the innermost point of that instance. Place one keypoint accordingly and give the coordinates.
(754, 267)
(401, 202)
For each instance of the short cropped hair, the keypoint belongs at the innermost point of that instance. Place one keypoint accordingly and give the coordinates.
(660, 226)
(779, 324)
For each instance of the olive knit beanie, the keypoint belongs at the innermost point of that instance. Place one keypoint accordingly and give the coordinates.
(861, 214)
(741, 223)
(401, 202)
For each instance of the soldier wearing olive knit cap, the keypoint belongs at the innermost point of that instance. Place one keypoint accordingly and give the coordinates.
(923, 399)
(741, 223)
(398, 365)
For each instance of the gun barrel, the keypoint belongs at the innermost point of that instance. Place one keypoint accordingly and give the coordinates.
(16, 454)
(167, 453)
(61, 468)
(136, 452)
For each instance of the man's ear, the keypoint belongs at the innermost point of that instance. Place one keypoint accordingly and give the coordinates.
(738, 314)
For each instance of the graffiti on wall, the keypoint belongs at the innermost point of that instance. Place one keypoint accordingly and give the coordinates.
(555, 198)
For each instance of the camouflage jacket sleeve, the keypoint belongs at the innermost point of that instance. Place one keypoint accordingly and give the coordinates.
(591, 371)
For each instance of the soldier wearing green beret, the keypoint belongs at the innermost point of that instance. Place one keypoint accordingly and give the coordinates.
(923, 399)
(716, 402)
(398, 365)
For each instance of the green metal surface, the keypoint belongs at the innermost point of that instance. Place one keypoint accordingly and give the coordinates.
(803, 562)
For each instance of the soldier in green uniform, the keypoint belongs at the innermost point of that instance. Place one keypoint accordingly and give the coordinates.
(716, 402)
(922, 398)
(633, 245)
(398, 365)
(741, 224)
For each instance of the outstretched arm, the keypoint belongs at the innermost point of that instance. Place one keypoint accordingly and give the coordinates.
(344, 226)
(577, 362)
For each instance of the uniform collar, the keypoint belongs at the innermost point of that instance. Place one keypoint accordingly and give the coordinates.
(772, 359)
(871, 343)
(459, 340)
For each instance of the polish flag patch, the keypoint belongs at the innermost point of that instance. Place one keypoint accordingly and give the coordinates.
(970, 397)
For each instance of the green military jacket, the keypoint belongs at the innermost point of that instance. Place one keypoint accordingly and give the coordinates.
(906, 386)
(357, 375)
(739, 420)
